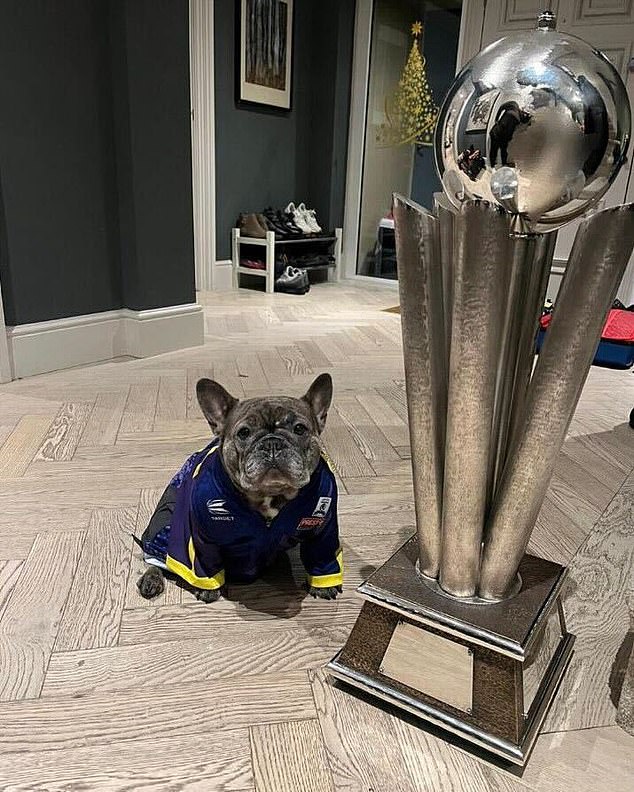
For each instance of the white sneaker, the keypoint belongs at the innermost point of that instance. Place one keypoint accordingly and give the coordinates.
(299, 219)
(312, 219)
(308, 216)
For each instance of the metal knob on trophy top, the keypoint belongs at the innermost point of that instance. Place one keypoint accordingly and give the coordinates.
(462, 627)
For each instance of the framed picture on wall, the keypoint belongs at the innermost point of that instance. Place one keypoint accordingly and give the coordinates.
(265, 53)
(481, 112)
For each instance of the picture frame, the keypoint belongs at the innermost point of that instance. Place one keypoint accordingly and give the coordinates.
(265, 53)
(481, 112)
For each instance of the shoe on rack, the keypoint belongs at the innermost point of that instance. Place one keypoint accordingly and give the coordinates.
(310, 218)
(250, 227)
(252, 264)
(298, 219)
(271, 225)
(292, 281)
(286, 221)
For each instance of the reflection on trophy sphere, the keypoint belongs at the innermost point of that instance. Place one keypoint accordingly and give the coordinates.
(539, 123)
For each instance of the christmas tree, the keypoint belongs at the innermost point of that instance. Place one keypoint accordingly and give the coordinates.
(412, 113)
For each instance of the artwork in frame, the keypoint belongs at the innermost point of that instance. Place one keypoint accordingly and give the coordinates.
(481, 112)
(265, 52)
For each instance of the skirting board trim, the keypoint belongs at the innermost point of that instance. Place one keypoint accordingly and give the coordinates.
(77, 340)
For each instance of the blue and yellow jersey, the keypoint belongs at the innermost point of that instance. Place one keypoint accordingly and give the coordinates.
(205, 532)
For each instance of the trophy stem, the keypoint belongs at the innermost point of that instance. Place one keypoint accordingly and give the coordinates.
(424, 354)
(446, 214)
(482, 260)
(534, 296)
(530, 268)
(600, 253)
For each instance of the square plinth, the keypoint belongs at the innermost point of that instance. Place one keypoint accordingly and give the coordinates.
(485, 672)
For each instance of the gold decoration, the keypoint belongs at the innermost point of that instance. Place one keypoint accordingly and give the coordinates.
(412, 113)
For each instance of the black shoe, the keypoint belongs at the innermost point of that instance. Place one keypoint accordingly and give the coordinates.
(272, 225)
(286, 221)
(275, 225)
(292, 281)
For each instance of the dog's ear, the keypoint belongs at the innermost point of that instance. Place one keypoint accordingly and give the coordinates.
(215, 403)
(319, 397)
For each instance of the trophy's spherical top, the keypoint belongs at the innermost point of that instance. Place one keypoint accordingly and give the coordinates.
(539, 123)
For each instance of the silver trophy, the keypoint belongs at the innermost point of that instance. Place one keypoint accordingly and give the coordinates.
(461, 626)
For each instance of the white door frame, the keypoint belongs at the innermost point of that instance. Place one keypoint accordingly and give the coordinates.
(470, 34)
(201, 70)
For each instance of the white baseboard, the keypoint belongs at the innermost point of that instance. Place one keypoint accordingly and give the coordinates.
(223, 275)
(78, 340)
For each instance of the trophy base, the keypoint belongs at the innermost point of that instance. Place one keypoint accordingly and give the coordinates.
(487, 674)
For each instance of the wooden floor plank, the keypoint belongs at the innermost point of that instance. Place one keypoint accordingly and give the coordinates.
(597, 612)
(295, 362)
(140, 408)
(93, 612)
(385, 417)
(265, 609)
(22, 444)
(103, 424)
(202, 659)
(31, 616)
(194, 374)
(313, 355)
(251, 373)
(290, 756)
(274, 368)
(64, 433)
(388, 754)
(341, 447)
(9, 574)
(59, 722)
(213, 760)
(172, 397)
(585, 760)
(366, 433)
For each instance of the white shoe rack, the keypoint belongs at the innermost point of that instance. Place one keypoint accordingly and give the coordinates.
(282, 246)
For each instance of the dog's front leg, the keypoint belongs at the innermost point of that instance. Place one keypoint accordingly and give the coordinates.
(151, 583)
(210, 595)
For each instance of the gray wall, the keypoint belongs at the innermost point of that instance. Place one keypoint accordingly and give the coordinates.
(267, 157)
(95, 179)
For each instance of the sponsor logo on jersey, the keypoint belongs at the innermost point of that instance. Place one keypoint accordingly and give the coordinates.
(308, 523)
(218, 510)
(321, 510)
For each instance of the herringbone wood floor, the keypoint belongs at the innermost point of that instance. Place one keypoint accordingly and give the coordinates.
(101, 690)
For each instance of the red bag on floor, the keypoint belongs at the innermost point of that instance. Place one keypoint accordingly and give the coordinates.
(616, 349)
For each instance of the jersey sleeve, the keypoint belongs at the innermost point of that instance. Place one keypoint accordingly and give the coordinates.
(192, 555)
(322, 556)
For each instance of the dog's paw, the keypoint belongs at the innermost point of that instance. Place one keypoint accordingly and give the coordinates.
(329, 593)
(209, 595)
(151, 583)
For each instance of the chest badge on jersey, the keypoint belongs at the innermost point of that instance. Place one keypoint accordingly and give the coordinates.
(321, 509)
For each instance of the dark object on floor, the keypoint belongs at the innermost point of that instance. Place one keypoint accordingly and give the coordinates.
(616, 348)
(632, 419)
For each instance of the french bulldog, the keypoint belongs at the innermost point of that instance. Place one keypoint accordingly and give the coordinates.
(261, 486)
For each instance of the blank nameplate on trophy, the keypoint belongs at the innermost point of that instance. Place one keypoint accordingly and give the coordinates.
(430, 664)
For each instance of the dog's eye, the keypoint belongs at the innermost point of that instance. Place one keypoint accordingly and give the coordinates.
(300, 429)
(244, 432)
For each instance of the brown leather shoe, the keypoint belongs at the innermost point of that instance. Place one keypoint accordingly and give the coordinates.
(250, 227)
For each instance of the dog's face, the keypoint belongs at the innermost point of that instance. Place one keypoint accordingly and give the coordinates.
(269, 445)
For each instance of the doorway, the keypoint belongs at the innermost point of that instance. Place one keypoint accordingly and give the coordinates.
(413, 52)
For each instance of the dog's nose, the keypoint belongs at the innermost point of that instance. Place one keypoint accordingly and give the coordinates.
(273, 445)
